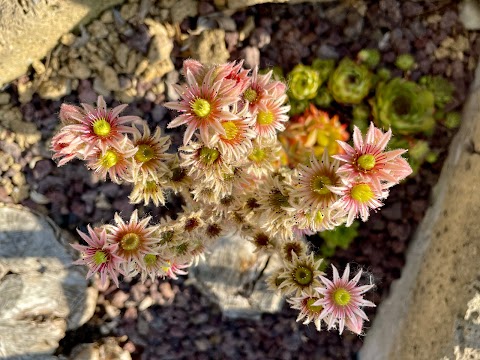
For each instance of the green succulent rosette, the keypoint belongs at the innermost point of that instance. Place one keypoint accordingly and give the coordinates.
(441, 88)
(324, 67)
(303, 82)
(404, 106)
(350, 82)
(369, 57)
(323, 99)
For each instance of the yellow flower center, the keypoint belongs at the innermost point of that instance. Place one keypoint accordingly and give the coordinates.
(313, 308)
(109, 159)
(101, 127)
(250, 95)
(151, 186)
(209, 156)
(318, 218)
(130, 241)
(100, 257)
(318, 184)
(257, 155)
(201, 108)
(265, 117)
(231, 130)
(144, 153)
(149, 259)
(341, 297)
(362, 193)
(303, 275)
(366, 162)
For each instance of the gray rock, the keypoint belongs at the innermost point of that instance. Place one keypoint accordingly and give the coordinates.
(41, 293)
(469, 14)
(234, 277)
(209, 47)
(31, 29)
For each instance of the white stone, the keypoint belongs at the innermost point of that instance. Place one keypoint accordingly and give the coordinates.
(230, 276)
(41, 293)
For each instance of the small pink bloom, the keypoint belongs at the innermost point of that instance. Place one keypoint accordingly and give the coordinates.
(342, 301)
(134, 238)
(117, 161)
(98, 126)
(262, 88)
(271, 116)
(100, 256)
(368, 160)
(172, 269)
(203, 106)
(357, 199)
(66, 146)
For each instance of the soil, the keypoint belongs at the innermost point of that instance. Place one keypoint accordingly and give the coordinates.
(180, 323)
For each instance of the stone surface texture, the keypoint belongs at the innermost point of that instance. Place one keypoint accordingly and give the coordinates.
(233, 276)
(433, 310)
(42, 294)
(31, 29)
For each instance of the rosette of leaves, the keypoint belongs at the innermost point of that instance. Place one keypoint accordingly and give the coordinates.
(324, 67)
(303, 82)
(404, 106)
(313, 130)
(350, 83)
(441, 88)
(369, 57)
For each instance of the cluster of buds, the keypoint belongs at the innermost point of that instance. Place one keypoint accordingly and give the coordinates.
(228, 171)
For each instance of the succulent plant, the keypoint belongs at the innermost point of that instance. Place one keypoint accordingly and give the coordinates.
(341, 237)
(360, 115)
(404, 106)
(313, 131)
(441, 88)
(304, 82)
(298, 107)
(369, 57)
(324, 98)
(453, 120)
(324, 67)
(405, 62)
(350, 82)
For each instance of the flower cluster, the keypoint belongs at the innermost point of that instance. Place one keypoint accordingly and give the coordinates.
(229, 173)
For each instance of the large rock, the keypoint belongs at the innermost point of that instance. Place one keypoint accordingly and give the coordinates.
(30, 29)
(234, 276)
(41, 293)
(433, 310)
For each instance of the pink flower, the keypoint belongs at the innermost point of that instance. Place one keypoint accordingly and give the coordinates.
(271, 116)
(66, 146)
(134, 238)
(261, 89)
(357, 198)
(172, 269)
(99, 256)
(203, 106)
(342, 300)
(117, 161)
(96, 126)
(368, 160)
